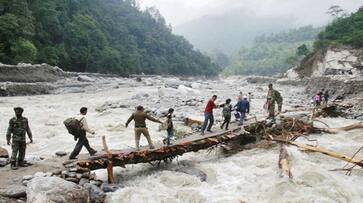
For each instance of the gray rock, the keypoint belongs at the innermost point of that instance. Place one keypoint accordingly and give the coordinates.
(83, 78)
(13, 191)
(83, 181)
(3, 162)
(96, 182)
(194, 171)
(54, 189)
(110, 187)
(71, 174)
(73, 169)
(41, 174)
(95, 193)
(4, 153)
(25, 182)
(61, 153)
(78, 175)
(30, 73)
(74, 180)
(27, 177)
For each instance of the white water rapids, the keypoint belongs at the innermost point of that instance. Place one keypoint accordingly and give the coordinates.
(248, 176)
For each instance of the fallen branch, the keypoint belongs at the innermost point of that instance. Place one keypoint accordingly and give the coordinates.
(284, 162)
(345, 128)
(323, 151)
(109, 163)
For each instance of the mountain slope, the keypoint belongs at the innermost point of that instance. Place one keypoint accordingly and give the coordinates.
(111, 36)
(275, 53)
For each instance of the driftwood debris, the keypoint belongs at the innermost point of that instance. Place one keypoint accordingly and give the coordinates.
(284, 162)
(323, 151)
(345, 128)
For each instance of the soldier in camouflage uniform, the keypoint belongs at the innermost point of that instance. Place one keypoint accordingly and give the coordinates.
(273, 97)
(18, 126)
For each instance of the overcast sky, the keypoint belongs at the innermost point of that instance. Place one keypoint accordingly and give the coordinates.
(177, 12)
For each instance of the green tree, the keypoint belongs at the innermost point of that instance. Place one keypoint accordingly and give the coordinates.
(302, 50)
(23, 50)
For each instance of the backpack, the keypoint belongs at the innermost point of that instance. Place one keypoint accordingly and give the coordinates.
(226, 111)
(278, 97)
(73, 126)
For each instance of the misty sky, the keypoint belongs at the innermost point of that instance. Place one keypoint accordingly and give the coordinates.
(177, 12)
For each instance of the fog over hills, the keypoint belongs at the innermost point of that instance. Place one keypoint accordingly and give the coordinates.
(229, 31)
(229, 25)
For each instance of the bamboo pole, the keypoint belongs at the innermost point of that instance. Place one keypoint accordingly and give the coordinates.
(109, 164)
(345, 128)
(323, 151)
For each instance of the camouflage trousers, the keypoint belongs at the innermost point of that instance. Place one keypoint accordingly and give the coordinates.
(271, 109)
(18, 151)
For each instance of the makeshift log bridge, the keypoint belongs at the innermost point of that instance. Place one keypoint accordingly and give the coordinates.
(252, 131)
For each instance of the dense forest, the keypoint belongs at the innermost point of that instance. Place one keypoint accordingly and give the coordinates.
(275, 53)
(112, 36)
(344, 30)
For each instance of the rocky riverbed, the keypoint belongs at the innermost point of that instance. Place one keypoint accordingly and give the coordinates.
(249, 176)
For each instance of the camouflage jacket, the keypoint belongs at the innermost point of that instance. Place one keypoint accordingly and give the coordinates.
(17, 129)
(275, 96)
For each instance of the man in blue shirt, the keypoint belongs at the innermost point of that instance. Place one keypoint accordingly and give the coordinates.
(243, 107)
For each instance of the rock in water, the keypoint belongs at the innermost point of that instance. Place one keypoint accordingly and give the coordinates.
(110, 187)
(193, 171)
(3, 162)
(61, 153)
(4, 153)
(54, 189)
(13, 191)
(84, 78)
(95, 193)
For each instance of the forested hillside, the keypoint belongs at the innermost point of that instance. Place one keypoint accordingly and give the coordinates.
(111, 36)
(274, 53)
(343, 31)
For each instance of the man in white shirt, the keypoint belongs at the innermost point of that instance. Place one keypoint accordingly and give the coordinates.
(82, 139)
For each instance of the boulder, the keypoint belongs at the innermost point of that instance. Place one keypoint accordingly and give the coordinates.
(193, 171)
(25, 89)
(95, 193)
(30, 73)
(4, 153)
(13, 191)
(61, 153)
(187, 90)
(106, 187)
(27, 177)
(196, 85)
(54, 189)
(3, 162)
(84, 78)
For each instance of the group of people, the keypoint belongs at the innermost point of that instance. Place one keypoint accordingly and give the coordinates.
(19, 126)
(321, 98)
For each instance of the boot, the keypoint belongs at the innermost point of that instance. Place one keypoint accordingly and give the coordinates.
(22, 164)
(93, 152)
(13, 165)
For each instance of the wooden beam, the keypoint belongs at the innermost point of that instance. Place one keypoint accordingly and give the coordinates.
(284, 162)
(323, 151)
(109, 163)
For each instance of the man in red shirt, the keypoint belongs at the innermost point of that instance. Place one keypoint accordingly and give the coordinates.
(208, 114)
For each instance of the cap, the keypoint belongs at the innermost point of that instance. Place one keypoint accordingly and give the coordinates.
(18, 108)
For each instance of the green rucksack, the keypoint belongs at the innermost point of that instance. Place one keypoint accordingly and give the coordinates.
(73, 126)
(278, 97)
